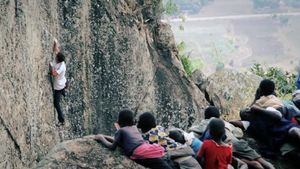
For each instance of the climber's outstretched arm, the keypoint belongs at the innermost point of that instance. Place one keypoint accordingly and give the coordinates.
(56, 49)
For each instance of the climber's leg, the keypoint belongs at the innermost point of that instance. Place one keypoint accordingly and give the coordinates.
(57, 98)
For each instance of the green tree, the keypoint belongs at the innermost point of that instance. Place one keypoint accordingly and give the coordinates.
(170, 8)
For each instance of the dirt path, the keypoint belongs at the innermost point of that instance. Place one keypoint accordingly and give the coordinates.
(233, 17)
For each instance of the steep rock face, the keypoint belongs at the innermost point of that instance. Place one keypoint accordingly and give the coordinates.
(26, 108)
(119, 56)
(81, 153)
(229, 90)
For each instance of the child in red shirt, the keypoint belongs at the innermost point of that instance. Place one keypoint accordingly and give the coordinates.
(214, 154)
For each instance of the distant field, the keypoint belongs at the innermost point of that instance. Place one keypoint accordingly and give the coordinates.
(239, 43)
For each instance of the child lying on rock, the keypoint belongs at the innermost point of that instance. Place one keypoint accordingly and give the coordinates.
(266, 122)
(183, 137)
(266, 118)
(132, 143)
(266, 98)
(181, 155)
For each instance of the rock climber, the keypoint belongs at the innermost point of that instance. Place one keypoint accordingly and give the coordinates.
(58, 71)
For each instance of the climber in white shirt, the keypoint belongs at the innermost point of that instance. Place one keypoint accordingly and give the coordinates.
(58, 70)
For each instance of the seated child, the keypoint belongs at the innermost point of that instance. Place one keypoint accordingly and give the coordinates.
(215, 153)
(266, 99)
(241, 149)
(265, 116)
(266, 95)
(132, 143)
(183, 137)
(155, 134)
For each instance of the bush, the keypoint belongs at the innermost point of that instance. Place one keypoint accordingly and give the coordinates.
(285, 81)
(189, 64)
(170, 8)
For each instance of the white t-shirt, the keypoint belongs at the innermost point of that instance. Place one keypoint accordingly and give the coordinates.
(60, 80)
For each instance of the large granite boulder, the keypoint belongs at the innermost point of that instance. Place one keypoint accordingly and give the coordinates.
(119, 55)
(230, 91)
(88, 154)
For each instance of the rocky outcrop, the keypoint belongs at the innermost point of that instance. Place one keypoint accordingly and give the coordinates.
(228, 90)
(119, 56)
(88, 154)
(199, 78)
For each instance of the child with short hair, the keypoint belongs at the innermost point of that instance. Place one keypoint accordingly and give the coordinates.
(181, 155)
(133, 144)
(214, 153)
(183, 137)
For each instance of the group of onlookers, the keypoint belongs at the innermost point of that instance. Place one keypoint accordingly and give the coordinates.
(213, 143)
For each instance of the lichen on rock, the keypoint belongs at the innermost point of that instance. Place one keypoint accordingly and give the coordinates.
(229, 90)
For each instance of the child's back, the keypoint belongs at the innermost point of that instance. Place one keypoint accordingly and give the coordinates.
(216, 156)
(128, 138)
(180, 154)
(214, 153)
(266, 96)
(183, 137)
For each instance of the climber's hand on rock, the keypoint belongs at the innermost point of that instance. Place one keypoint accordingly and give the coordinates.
(56, 49)
(55, 40)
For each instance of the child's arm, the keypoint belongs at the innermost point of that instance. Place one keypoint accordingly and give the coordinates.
(109, 138)
(107, 141)
(271, 114)
(238, 124)
(229, 159)
(201, 154)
